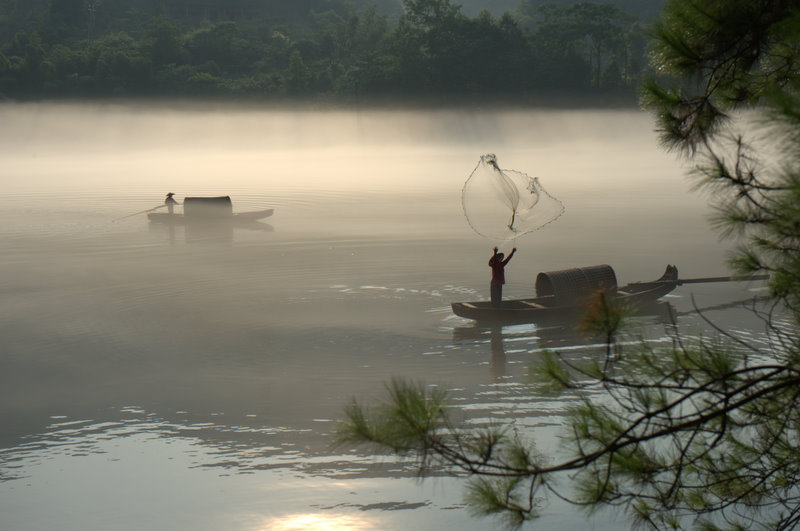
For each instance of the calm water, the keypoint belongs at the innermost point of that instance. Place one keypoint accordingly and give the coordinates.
(165, 379)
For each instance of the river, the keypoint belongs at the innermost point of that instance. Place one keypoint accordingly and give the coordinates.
(154, 377)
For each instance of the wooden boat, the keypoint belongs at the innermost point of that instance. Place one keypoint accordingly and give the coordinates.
(561, 294)
(198, 210)
(238, 218)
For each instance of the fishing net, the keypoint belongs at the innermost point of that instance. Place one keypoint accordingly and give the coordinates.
(506, 204)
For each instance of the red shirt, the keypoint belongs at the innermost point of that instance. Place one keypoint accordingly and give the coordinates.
(498, 269)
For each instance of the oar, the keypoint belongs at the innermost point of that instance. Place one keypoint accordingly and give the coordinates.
(720, 279)
(681, 281)
(142, 212)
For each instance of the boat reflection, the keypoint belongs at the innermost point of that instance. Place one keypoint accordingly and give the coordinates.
(211, 231)
(498, 362)
(654, 321)
(561, 335)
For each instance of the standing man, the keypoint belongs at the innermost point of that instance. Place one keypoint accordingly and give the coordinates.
(498, 265)
(170, 202)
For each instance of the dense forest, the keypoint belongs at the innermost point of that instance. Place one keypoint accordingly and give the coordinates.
(268, 49)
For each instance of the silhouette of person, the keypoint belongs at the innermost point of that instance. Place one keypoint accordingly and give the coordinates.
(170, 202)
(498, 264)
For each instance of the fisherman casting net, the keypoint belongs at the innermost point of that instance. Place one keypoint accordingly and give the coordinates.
(506, 204)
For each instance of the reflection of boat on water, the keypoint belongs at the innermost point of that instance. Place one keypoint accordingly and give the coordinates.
(556, 334)
(198, 210)
(560, 295)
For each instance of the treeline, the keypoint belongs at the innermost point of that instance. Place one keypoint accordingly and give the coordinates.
(310, 48)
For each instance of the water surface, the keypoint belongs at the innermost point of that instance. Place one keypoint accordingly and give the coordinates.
(156, 377)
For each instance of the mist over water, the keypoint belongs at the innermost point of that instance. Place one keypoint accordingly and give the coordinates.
(157, 377)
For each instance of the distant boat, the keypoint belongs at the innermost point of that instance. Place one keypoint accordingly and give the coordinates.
(561, 294)
(199, 210)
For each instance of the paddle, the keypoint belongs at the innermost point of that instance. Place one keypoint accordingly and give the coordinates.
(141, 212)
(681, 281)
(719, 279)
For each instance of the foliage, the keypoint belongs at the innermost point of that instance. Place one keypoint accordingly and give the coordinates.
(703, 433)
(598, 35)
(312, 48)
(751, 61)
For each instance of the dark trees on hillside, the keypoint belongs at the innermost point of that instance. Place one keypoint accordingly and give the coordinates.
(76, 48)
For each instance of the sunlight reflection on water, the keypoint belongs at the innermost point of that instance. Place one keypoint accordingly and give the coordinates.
(319, 522)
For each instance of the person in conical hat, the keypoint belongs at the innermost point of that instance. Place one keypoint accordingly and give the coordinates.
(170, 202)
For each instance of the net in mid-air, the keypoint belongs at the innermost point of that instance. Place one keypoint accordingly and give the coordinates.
(506, 204)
